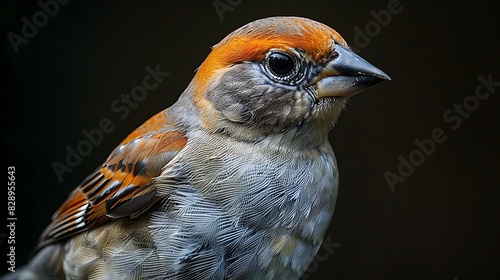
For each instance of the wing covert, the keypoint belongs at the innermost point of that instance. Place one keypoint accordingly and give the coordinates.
(123, 186)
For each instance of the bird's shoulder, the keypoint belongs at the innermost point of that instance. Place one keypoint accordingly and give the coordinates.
(123, 186)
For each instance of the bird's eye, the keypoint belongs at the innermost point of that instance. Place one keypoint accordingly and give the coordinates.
(281, 64)
(283, 67)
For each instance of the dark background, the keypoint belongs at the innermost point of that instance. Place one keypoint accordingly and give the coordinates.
(440, 223)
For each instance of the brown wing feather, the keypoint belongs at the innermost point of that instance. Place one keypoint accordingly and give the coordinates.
(123, 186)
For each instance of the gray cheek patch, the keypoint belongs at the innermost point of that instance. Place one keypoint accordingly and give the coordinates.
(244, 95)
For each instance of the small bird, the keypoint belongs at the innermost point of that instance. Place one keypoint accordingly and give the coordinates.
(236, 180)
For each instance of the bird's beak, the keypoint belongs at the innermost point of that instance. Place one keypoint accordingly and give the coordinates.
(347, 75)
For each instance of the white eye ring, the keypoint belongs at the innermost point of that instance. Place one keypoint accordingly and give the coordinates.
(283, 67)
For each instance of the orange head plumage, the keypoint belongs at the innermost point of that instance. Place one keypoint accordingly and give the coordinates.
(252, 41)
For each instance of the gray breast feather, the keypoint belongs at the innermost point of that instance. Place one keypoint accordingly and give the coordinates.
(239, 202)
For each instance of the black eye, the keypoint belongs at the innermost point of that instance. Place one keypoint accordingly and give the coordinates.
(284, 68)
(281, 64)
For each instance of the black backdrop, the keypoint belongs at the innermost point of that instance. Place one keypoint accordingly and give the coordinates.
(440, 223)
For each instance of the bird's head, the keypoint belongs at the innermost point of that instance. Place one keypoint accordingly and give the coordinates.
(279, 75)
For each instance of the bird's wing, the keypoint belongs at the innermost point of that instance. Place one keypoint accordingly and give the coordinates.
(123, 186)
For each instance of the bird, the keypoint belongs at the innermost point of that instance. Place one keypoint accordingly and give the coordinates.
(236, 180)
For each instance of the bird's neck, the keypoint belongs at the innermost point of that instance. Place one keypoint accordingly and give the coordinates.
(310, 133)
